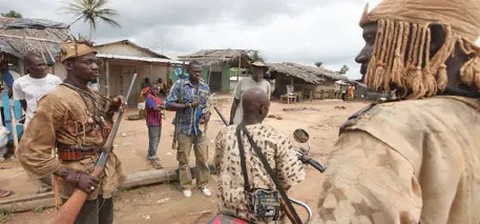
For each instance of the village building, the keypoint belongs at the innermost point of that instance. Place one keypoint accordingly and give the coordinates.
(121, 59)
(301, 81)
(19, 37)
(217, 64)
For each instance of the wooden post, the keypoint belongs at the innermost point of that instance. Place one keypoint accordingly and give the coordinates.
(209, 74)
(107, 79)
(239, 70)
(21, 64)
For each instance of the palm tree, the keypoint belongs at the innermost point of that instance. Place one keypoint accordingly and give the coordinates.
(318, 64)
(255, 55)
(12, 14)
(91, 11)
(344, 70)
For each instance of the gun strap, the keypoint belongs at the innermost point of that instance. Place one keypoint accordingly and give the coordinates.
(180, 100)
(242, 159)
(269, 170)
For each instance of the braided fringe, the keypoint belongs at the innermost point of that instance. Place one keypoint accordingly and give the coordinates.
(401, 56)
(470, 71)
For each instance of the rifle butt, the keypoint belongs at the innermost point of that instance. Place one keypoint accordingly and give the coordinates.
(71, 208)
(289, 215)
(174, 144)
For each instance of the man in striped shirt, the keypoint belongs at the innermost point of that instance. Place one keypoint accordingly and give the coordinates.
(189, 99)
(153, 106)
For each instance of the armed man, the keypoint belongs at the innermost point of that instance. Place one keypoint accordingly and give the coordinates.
(76, 121)
(416, 160)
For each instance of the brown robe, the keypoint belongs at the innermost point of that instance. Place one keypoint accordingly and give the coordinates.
(62, 116)
(407, 162)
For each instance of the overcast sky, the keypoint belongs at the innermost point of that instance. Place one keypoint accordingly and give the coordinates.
(301, 31)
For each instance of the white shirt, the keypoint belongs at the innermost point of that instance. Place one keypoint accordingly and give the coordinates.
(242, 86)
(31, 90)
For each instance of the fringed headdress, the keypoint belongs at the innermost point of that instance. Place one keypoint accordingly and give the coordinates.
(401, 54)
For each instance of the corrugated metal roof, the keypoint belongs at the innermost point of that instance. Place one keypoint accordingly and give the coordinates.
(135, 58)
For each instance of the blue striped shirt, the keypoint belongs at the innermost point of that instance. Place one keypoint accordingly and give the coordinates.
(189, 118)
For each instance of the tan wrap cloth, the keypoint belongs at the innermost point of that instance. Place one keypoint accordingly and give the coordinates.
(407, 162)
(462, 15)
(61, 117)
(401, 53)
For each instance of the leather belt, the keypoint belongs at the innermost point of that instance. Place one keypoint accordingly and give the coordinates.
(76, 152)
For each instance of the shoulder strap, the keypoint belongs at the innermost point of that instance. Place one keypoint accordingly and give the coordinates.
(351, 120)
(180, 96)
(242, 158)
(272, 175)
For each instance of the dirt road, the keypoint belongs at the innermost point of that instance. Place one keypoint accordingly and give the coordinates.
(165, 203)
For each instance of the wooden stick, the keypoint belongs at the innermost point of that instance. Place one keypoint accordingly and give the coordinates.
(29, 38)
(145, 178)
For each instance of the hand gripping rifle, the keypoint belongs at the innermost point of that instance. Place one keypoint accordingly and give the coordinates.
(69, 211)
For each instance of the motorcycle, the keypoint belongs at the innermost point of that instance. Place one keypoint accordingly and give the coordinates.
(301, 136)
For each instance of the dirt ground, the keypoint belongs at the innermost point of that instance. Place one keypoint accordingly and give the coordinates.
(165, 203)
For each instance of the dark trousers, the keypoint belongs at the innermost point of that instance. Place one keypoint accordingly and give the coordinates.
(99, 211)
(154, 133)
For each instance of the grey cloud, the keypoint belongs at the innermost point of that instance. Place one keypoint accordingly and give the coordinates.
(302, 31)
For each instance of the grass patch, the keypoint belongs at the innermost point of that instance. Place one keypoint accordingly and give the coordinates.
(38, 210)
(5, 215)
(143, 191)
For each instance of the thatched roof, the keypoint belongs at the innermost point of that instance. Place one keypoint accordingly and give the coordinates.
(310, 74)
(306, 72)
(21, 36)
(214, 56)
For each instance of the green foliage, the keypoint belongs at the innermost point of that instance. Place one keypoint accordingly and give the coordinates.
(344, 70)
(5, 215)
(12, 14)
(91, 11)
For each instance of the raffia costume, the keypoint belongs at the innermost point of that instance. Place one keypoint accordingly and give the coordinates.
(417, 160)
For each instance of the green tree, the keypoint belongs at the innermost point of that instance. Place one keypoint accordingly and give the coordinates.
(344, 70)
(81, 37)
(256, 55)
(318, 64)
(92, 11)
(12, 14)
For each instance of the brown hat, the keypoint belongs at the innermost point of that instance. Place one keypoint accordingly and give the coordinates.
(259, 63)
(73, 49)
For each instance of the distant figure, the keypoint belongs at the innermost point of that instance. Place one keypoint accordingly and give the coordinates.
(31, 87)
(162, 86)
(153, 107)
(351, 92)
(8, 77)
(257, 80)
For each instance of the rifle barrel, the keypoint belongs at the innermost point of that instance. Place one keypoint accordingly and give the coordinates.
(221, 116)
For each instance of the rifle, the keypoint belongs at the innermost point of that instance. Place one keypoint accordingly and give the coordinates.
(69, 211)
(180, 100)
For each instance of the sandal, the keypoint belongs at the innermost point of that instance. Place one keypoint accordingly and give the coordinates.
(5, 193)
(155, 164)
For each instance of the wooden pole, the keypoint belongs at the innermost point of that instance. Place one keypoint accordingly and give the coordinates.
(21, 65)
(107, 79)
(239, 69)
(143, 178)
